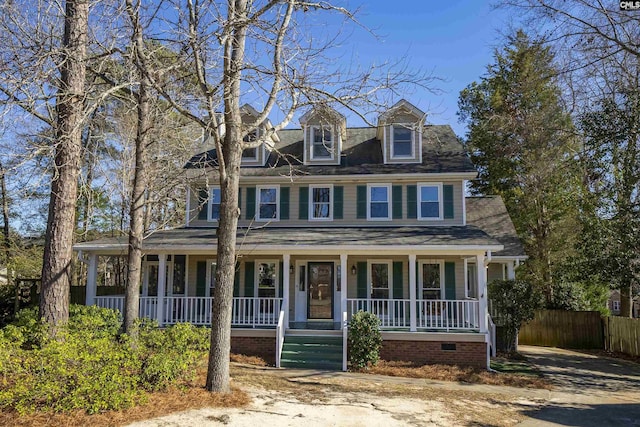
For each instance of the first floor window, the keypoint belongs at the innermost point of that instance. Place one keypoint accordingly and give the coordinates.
(380, 280)
(429, 202)
(431, 279)
(321, 202)
(378, 206)
(472, 281)
(214, 204)
(268, 279)
(267, 203)
(211, 278)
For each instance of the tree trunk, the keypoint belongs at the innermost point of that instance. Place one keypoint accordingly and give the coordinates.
(54, 296)
(229, 170)
(136, 229)
(626, 301)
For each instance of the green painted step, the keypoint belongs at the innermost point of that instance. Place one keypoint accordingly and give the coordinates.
(312, 352)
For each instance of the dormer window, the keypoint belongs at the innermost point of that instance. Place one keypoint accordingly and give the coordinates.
(250, 153)
(402, 141)
(322, 142)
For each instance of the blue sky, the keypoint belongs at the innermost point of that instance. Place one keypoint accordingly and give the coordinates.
(453, 39)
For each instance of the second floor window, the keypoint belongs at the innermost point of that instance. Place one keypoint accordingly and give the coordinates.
(320, 205)
(267, 203)
(321, 142)
(214, 204)
(378, 202)
(401, 141)
(250, 153)
(429, 203)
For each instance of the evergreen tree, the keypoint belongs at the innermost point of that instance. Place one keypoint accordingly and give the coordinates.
(522, 140)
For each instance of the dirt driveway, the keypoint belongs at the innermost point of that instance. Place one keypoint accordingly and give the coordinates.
(591, 390)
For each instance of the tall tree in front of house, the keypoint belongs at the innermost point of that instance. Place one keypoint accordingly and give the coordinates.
(54, 297)
(522, 140)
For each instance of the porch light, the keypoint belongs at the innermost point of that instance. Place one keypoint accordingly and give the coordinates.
(353, 270)
(291, 269)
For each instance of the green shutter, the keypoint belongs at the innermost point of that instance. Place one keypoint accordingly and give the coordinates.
(203, 204)
(303, 203)
(201, 278)
(249, 271)
(251, 202)
(447, 198)
(361, 202)
(450, 280)
(396, 198)
(362, 280)
(338, 200)
(284, 203)
(281, 280)
(412, 201)
(397, 280)
(236, 281)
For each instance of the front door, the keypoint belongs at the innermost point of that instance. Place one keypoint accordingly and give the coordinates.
(320, 292)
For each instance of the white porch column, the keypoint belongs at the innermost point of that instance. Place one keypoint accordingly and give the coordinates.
(413, 311)
(286, 279)
(162, 281)
(482, 292)
(343, 284)
(511, 271)
(92, 279)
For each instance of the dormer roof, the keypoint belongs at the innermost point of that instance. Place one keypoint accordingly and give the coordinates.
(401, 107)
(323, 113)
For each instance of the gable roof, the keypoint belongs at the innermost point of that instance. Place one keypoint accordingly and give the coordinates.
(403, 103)
(490, 215)
(442, 152)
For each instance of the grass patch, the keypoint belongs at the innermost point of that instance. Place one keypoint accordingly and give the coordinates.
(460, 374)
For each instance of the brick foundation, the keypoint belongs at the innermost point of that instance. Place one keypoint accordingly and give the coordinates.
(264, 347)
(426, 352)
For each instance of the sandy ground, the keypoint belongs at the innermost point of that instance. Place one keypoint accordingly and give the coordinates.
(271, 408)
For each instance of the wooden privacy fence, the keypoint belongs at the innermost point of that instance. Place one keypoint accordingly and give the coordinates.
(622, 335)
(565, 329)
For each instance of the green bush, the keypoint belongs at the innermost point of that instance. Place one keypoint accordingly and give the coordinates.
(90, 366)
(365, 340)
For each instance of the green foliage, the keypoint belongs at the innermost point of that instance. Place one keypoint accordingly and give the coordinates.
(515, 301)
(91, 366)
(523, 142)
(365, 340)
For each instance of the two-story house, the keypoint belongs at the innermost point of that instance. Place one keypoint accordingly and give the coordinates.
(335, 220)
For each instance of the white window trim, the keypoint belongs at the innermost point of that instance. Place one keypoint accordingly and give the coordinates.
(389, 206)
(256, 287)
(423, 262)
(440, 216)
(310, 215)
(266, 187)
(208, 277)
(332, 149)
(468, 265)
(210, 218)
(411, 127)
(615, 306)
(389, 263)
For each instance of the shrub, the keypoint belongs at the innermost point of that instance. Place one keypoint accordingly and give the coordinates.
(365, 340)
(90, 366)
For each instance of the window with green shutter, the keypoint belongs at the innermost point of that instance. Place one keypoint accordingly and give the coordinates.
(412, 201)
(447, 200)
(303, 203)
(251, 202)
(396, 199)
(398, 290)
(249, 271)
(450, 280)
(201, 278)
(361, 201)
(338, 200)
(362, 279)
(284, 203)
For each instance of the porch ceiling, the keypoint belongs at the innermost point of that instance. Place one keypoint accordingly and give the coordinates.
(291, 239)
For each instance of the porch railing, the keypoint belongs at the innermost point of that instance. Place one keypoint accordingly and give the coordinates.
(430, 314)
(246, 311)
